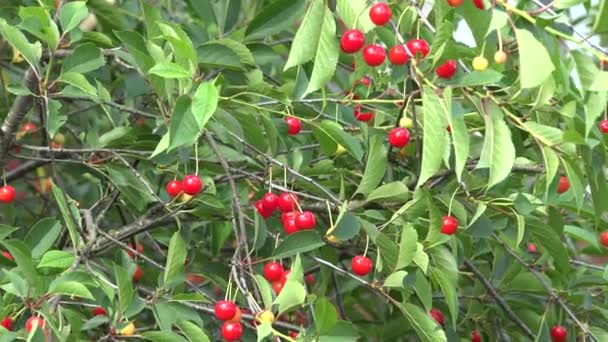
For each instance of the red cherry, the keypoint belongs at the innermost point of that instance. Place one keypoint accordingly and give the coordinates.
(437, 316)
(7, 323)
(99, 311)
(225, 310)
(7, 255)
(559, 333)
(284, 276)
(399, 137)
(192, 185)
(450, 225)
(397, 55)
(259, 206)
(604, 126)
(366, 81)
(362, 116)
(309, 278)
(293, 334)
(531, 248)
(232, 331)
(291, 227)
(174, 188)
(273, 271)
(380, 13)
(374, 55)
(294, 125)
(270, 201)
(447, 70)
(288, 202)
(277, 286)
(7, 194)
(138, 247)
(418, 47)
(29, 127)
(604, 238)
(306, 220)
(475, 336)
(361, 265)
(449, 128)
(564, 185)
(479, 4)
(455, 3)
(34, 322)
(137, 274)
(352, 41)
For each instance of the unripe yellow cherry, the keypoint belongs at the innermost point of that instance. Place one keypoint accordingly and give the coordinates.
(265, 316)
(331, 239)
(129, 330)
(500, 57)
(340, 150)
(480, 63)
(406, 122)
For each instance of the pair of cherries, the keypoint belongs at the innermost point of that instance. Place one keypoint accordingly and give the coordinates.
(277, 275)
(227, 311)
(191, 185)
(287, 203)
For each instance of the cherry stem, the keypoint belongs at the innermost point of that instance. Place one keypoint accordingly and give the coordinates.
(357, 17)
(285, 176)
(366, 245)
(331, 220)
(399, 23)
(296, 202)
(228, 288)
(452, 199)
(499, 39)
(270, 179)
(196, 158)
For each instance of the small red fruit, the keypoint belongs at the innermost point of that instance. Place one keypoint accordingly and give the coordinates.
(309, 278)
(450, 225)
(399, 137)
(138, 247)
(7, 323)
(475, 336)
(7, 255)
(294, 125)
(237, 316)
(34, 322)
(479, 4)
(447, 70)
(293, 334)
(270, 201)
(418, 47)
(306, 220)
(284, 276)
(437, 316)
(232, 331)
(604, 126)
(174, 188)
(277, 286)
(604, 238)
(362, 116)
(455, 3)
(352, 41)
(531, 248)
(259, 206)
(559, 333)
(290, 226)
(564, 185)
(380, 13)
(225, 310)
(361, 265)
(273, 271)
(195, 278)
(29, 127)
(366, 81)
(374, 55)
(7, 194)
(192, 185)
(449, 128)
(137, 274)
(288, 202)
(99, 311)
(397, 55)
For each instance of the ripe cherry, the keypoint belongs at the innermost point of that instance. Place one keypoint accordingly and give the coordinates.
(604, 126)
(479, 4)
(380, 13)
(374, 55)
(7, 194)
(273, 271)
(418, 47)
(34, 322)
(29, 127)
(397, 55)
(99, 311)
(7, 323)
(450, 225)
(174, 188)
(352, 41)
(531, 248)
(288, 202)
(309, 278)
(447, 70)
(259, 206)
(192, 185)
(399, 137)
(138, 247)
(475, 336)
(455, 3)
(306, 220)
(361, 265)
(362, 116)
(137, 274)
(559, 333)
(232, 331)
(225, 310)
(237, 316)
(7, 255)
(289, 222)
(604, 238)
(270, 201)
(284, 276)
(437, 316)
(277, 286)
(564, 185)
(294, 125)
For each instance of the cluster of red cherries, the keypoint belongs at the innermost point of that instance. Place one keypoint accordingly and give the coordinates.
(292, 218)
(30, 324)
(191, 185)
(230, 314)
(277, 276)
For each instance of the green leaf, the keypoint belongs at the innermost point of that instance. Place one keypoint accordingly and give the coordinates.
(576, 179)
(407, 247)
(225, 53)
(326, 315)
(421, 258)
(5, 231)
(130, 186)
(174, 268)
(586, 69)
(391, 192)
(551, 165)
(601, 82)
(184, 127)
(293, 293)
(306, 41)
(498, 152)
(65, 203)
(163, 336)
(479, 78)
(192, 332)
(267, 22)
(204, 103)
(327, 53)
(395, 279)
(85, 58)
(459, 133)
(521, 228)
(70, 288)
(72, 13)
(449, 290)
(347, 227)
(374, 168)
(548, 135)
(125, 288)
(23, 259)
(30, 52)
(342, 331)
(55, 120)
(582, 235)
(601, 19)
(350, 10)
(183, 49)
(389, 251)
(265, 290)
(331, 130)
(264, 330)
(435, 140)
(550, 241)
(594, 108)
(300, 242)
(423, 324)
(56, 259)
(535, 63)
(79, 81)
(42, 236)
(37, 21)
(169, 70)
